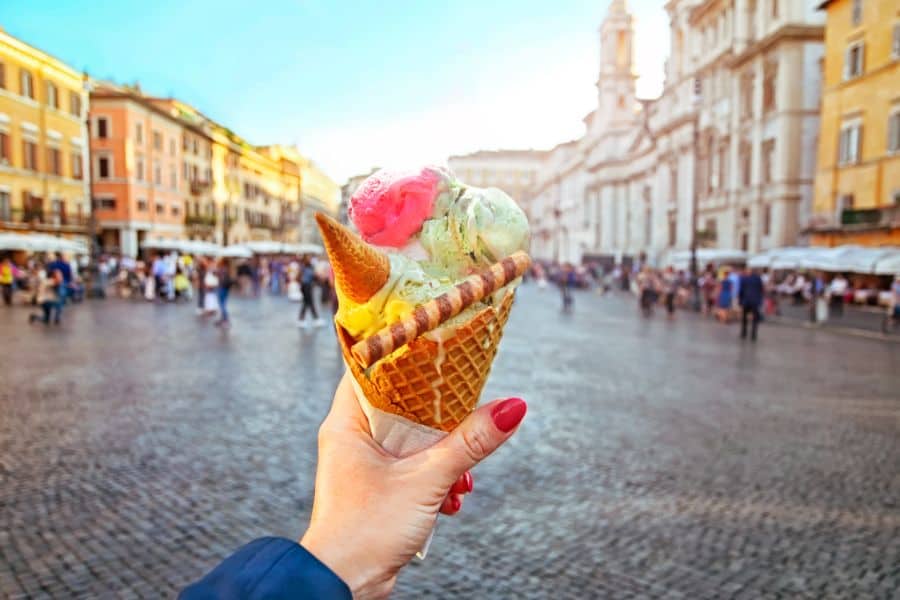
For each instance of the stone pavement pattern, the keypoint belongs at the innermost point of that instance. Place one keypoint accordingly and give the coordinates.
(139, 446)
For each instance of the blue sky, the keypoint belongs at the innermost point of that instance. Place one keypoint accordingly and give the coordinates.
(355, 83)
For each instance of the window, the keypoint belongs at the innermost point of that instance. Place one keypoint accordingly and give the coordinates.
(854, 61)
(849, 144)
(723, 165)
(102, 128)
(895, 48)
(774, 6)
(160, 208)
(2, 76)
(195, 147)
(770, 78)
(767, 219)
(745, 241)
(107, 203)
(75, 104)
(893, 143)
(4, 148)
(175, 210)
(139, 133)
(26, 84)
(29, 155)
(157, 173)
(142, 205)
(672, 229)
(76, 164)
(54, 164)
(746, 159)
(172, 147)
(186, 172)
(157, 140)
(768, 159)
(844, 202)
(173, 177)
(712, 229)
(104, 167)
(747, 95)
(856, 12)
(5, 212)
(139, 168)
(52, 95)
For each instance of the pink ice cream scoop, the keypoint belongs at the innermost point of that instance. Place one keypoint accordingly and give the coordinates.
(389, 208)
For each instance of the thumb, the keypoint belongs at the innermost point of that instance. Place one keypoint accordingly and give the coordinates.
(477, 437)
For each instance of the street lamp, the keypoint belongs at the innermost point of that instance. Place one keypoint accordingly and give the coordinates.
(695, 200)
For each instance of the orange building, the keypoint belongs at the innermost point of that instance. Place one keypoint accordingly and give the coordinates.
(136, 156)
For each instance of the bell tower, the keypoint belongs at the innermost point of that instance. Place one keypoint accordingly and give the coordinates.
(616, 100)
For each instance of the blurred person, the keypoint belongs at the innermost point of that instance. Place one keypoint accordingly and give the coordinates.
(325, 276)
(277, 272)
(725, 296)
(182, 285)
(371, 512)
(892, 318)
(670, 286)
(307, 280)
(200, 268)
(62, 266)
(648, 291)
(225, 281)
(750, 296)
(48, 296)
(8, 276)
(709, 288)
(837, 291)
(566, 282)
(158, 274)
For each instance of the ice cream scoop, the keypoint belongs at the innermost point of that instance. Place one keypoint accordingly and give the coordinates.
(390, 207)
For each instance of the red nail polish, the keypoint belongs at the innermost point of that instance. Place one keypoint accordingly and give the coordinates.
(508, 414)
(455, 503)
(468, 481)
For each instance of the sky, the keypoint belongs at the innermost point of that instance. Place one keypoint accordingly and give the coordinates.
(355, 84)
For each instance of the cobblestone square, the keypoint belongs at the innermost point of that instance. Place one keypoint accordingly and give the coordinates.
(659, 459)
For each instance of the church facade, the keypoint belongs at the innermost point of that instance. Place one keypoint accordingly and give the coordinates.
(733, 134)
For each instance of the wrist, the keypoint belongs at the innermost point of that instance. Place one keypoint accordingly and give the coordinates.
(362, 580)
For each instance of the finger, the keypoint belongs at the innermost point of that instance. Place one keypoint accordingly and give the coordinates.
(346, 412)
(464, 484)
(452, 504)
(477, 437)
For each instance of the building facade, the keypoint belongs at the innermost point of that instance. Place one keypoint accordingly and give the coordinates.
(43, 143)
(136, 167)
(733, 133)
(163, 170)
(857, 198)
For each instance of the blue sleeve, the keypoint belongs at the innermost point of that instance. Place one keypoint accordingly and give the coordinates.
(269, 568)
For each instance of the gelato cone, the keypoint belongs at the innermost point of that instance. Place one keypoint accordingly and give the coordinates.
(420, 315)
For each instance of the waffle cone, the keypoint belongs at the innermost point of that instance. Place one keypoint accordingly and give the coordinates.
(430, 383)
(359, 269)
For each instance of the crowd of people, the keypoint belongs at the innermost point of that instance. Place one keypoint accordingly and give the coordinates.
(52, 281)
(724, 292)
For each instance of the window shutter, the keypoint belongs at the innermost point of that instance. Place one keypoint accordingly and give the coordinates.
(893, 132)
(847, 55)
(896, 44)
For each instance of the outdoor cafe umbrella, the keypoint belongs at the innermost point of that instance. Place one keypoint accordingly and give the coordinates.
(888, 264)
(236, 251)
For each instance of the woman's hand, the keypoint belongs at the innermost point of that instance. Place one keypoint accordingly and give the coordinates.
(372, 512)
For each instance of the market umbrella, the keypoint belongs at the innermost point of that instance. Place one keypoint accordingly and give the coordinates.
(888, 264)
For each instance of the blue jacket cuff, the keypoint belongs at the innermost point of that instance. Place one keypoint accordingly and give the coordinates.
(269, 568)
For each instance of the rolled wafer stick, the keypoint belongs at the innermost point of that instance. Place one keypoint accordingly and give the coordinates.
(437, 311)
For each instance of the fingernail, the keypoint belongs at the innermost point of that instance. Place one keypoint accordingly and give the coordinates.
(455, 503)
(508, 414)
(468, 481)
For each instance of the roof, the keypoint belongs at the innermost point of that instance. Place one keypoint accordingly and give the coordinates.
(508, 153)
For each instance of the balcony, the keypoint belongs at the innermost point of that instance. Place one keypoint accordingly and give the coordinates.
(199, 187)
(200, 221)
(870, 218)
(40, 220)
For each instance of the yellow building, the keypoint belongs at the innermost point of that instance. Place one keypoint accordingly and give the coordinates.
(319, 193)
(857, 197)
(43, 143)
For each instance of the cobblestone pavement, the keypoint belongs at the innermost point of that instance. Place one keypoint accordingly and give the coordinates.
(139, 446)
